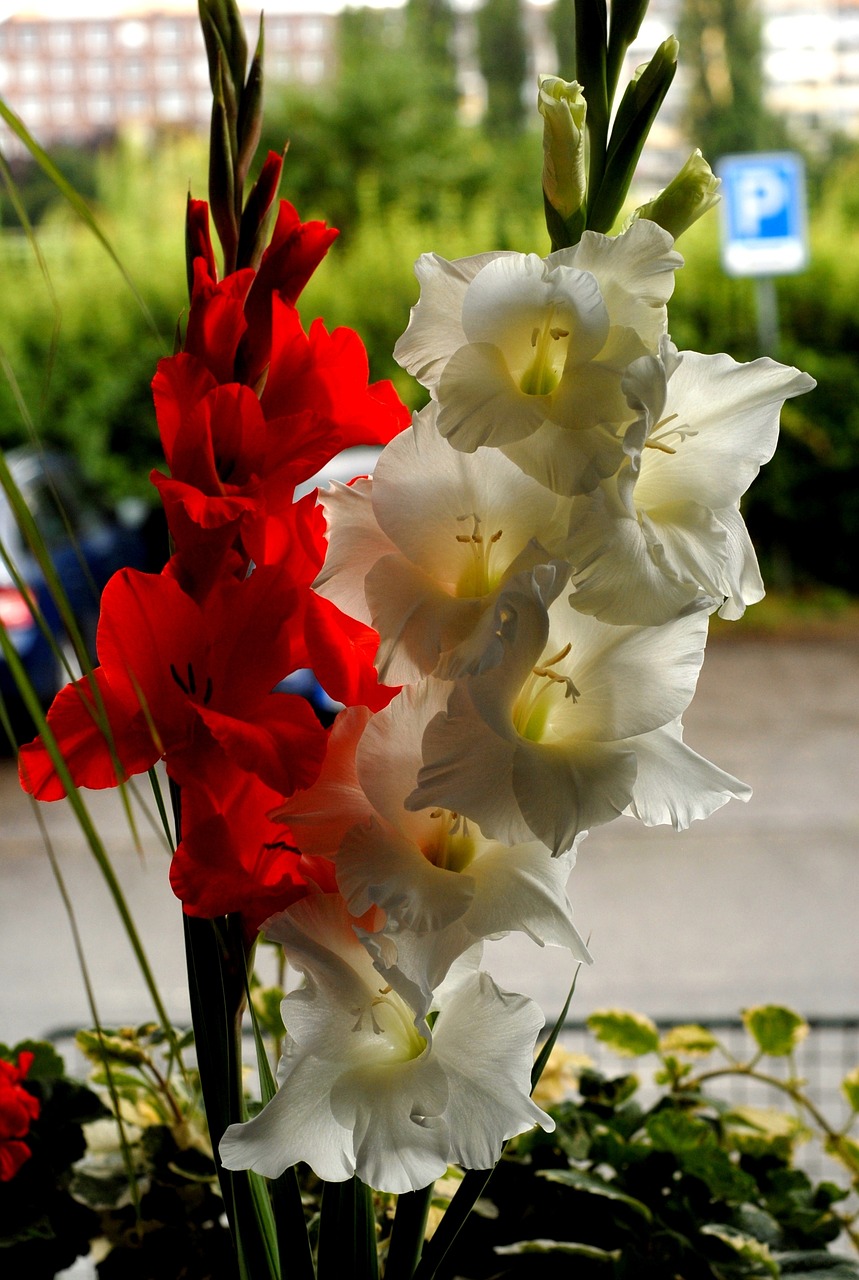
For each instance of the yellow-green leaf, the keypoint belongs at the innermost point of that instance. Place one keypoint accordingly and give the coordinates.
(776, 1030)
(627, 1033)
(850, 1088)
(689, 1039)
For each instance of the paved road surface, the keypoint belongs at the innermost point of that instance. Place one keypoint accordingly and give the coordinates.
(757, 904)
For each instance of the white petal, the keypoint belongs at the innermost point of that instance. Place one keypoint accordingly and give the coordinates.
(674, 784)
(635, 274)
(390, 754)
(426, 495)
(489, 1088)
(521, 889)
(416, 619)
(615, 575)
(469, 769)
(742, 577)
(355, 543)
(480, 404)
(629, 679)
(729, 415)
(394, 1114)
(378, 867)
(568, 462)
(563, 790)
(435, 326)
(295, 1126)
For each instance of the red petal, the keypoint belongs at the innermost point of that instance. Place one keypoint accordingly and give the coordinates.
(92, 760)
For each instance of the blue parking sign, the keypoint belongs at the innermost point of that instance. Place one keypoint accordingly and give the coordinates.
(763, 213)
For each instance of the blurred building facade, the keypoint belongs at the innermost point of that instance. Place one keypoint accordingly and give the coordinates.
(78, 79)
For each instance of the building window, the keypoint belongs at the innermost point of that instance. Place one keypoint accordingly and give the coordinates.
(135, 105)
(168, 70)
(29, 71)
(63, 108)
(60, 37)
(32, 111)
(96, 38)
(174, 105)
(63, 73)
(168, 35)
(134, 70)
(98, 73)
(28, 38)
(311, 68)
(100, 108)
(312, 32)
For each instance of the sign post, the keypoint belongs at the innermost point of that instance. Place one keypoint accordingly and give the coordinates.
(764, 231)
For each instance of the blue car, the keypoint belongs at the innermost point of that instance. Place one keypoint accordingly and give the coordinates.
(86, 543)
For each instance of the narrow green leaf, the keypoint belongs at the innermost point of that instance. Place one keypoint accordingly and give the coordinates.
(249, 126)
(347, 1232)
(408, 1232)
(626, 19)
(545, 1053)
(638, 109)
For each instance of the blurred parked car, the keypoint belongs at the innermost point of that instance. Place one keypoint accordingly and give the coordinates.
(86, 543)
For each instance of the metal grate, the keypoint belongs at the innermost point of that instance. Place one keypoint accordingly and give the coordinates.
(830, 1050)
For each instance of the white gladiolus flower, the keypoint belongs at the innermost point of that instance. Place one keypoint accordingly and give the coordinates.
(362, 1090)
(527, 354)
(665, 534)
(423, 551)
(572, 728)
(441, 884)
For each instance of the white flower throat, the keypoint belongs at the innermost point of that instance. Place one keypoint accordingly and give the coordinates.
(477, 580)
(534, 703)
(453, 847)
(550, 353)
(392, 1023)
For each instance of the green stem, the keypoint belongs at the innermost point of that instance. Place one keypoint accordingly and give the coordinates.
(407, 1236)
(347, 1233)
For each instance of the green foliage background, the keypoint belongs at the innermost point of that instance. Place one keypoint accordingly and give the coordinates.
(382, 157)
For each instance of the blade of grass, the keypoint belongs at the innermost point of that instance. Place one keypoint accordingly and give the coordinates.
(87, 827)
(294, 1255)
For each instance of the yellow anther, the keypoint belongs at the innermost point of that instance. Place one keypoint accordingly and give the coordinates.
(535, 336)
(559, 333)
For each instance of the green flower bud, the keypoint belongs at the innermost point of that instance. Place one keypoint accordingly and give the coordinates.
(562, 106)
(689, 195)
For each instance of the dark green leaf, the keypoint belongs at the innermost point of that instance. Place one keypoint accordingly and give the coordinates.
(595, 1186)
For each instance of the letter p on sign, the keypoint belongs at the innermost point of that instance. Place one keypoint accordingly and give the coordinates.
(763, 214)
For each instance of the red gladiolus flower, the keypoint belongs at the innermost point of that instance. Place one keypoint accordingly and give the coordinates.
(18, 1109)
(188, 682)
(233, 858)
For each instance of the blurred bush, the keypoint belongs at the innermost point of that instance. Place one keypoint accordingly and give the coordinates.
(369, 153)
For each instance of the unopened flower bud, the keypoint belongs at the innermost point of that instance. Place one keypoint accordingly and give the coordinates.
(689, 195)
(562, 106)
